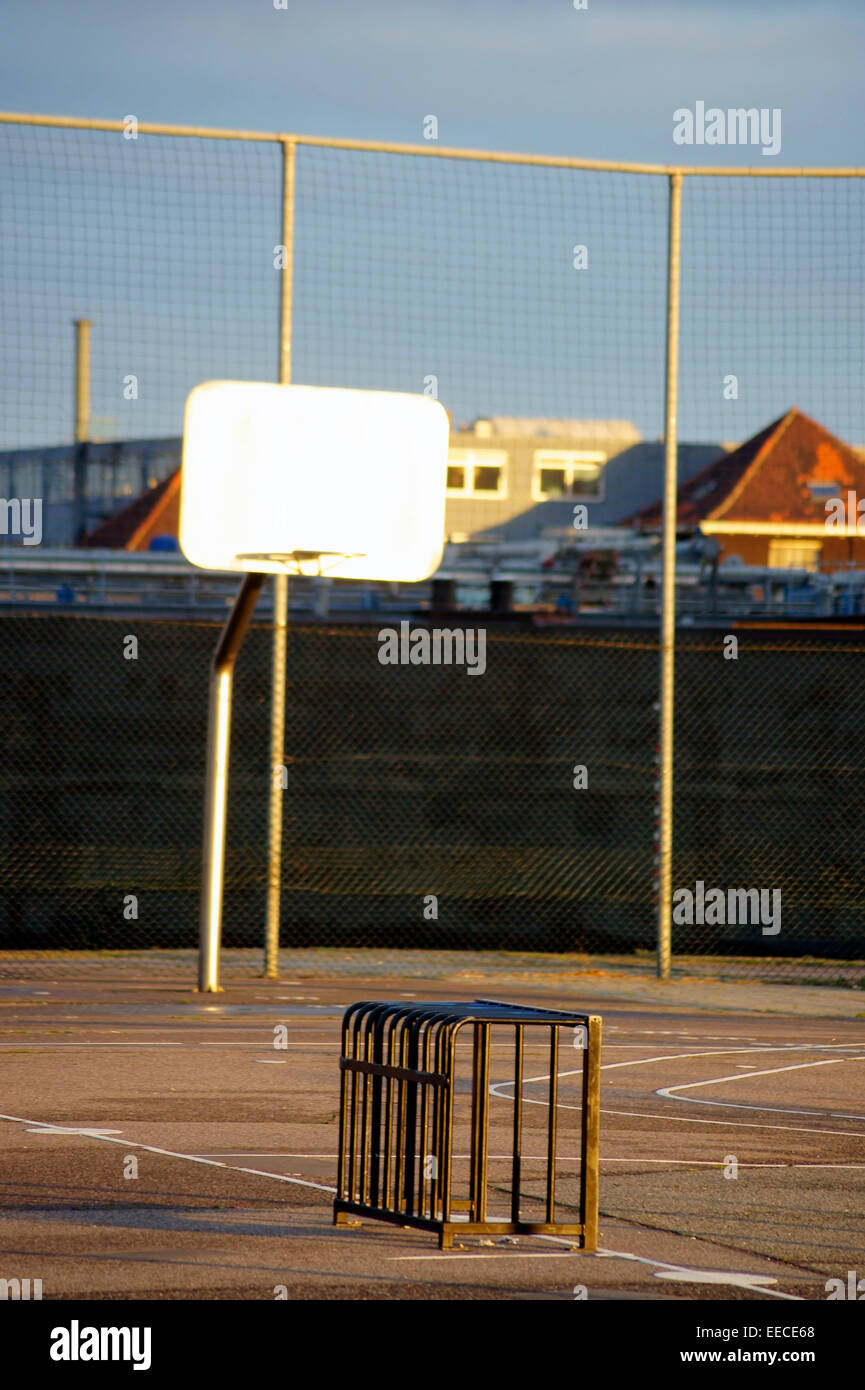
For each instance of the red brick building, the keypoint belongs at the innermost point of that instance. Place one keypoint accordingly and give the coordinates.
(765, 501)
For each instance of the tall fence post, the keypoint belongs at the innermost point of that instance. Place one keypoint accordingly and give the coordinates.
(280, 594)
(82, 380)
(668, 600)
(82, 424)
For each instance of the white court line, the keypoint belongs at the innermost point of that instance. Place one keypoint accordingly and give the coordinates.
(672, 1057)
(714, 1162)
(769, 1071)
(25, 1042)
(614, 1254)
(497, 1087)
(321, 1187)
(505, 1255)
(529, 1158)
(667, 1091)
(170, 1153)
(88, 1133)
(662, 1118)
(684, 1270)
(753, 1283)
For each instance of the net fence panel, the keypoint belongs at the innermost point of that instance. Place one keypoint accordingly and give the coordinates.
(401, 782)
(408, 268)
(506, 290)
(428, 809)
(766, 748)
(166, 245)
(458, 821)
(768, 798)
(772, 310)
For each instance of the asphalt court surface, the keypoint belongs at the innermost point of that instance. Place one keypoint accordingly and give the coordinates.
(155, 1144)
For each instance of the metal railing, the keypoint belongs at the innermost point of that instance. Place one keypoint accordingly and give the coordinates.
(165, 583)
(398, 1119)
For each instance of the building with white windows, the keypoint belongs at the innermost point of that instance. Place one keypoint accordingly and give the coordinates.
(520, 478)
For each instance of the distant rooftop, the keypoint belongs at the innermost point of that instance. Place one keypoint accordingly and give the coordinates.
(539, 427)
(782, 474)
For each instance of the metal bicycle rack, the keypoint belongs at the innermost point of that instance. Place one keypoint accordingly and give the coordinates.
(398, 1098)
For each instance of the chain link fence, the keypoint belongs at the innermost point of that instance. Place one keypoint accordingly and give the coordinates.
(427, 808)
(523, 286)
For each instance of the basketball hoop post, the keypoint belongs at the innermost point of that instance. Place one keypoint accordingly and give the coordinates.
(303, 480)
(218, 748)
(216, 789)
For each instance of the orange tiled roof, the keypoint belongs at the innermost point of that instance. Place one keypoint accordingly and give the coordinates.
(768, 478)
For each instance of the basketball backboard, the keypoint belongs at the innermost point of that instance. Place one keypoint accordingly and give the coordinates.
(312, 479)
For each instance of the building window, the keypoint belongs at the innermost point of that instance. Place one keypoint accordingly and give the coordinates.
(60, 481)
(477, 473)
(561, 473)
(100, 481)
(554, 482)
(28, 481)
(795, 555)
(486, 478)
(820, 491)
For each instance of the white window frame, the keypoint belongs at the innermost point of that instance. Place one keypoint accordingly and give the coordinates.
(569, 461)
(793, 543)
(470, 459)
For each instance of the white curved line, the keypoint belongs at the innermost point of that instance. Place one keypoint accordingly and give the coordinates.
(769, 1071)
(667, 1091)
(635, 1062)
(495, 1088)
(663, 1118)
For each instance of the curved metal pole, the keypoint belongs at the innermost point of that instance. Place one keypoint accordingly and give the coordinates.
(216, 791)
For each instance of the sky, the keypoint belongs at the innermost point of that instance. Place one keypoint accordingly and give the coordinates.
(536, 75)
(411, 269)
